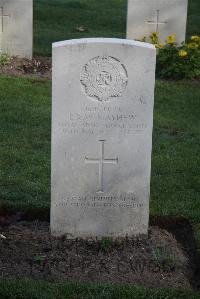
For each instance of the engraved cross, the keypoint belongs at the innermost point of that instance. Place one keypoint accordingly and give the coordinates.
(101, 161)
(2, 16)
(157, 22)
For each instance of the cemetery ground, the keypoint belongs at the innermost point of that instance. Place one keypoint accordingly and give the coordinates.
(25, 124)
(25, 187)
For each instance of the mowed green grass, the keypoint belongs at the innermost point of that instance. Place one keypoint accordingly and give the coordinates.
(42, 290)
(56, 20)
(25, 107)
(193, 20)
(25, 147)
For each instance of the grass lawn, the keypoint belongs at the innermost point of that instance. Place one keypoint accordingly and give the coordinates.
(25, 143)
(56, 20)
(40, 290)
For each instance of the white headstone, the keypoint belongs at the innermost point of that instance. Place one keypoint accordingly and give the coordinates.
(103, 95)
(16, 27)
(165, 17)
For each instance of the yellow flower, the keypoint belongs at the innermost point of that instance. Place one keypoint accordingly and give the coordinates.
(171, 39)
(154, 34)
(182, 53)
(195, 38)
(192, 46)
(154, 37)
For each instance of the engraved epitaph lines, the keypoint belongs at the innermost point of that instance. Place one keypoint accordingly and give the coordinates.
(2, 16)
(157, 22)
(101, 161)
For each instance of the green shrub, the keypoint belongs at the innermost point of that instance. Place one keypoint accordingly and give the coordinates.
(4, 59)
(179, 62)
(176, 62)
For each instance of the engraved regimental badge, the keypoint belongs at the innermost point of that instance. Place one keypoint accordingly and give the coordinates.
(104, 78)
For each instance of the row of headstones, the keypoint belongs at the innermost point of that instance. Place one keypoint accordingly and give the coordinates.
(144, 17)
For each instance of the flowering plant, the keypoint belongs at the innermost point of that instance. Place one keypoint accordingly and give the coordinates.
(177, 62)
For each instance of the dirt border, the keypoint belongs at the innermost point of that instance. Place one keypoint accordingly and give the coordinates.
(179, 227)
(38, 67)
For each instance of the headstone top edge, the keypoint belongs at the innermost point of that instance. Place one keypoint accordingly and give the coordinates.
(103, 40)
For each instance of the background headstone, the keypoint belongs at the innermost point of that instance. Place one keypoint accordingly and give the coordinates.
(16, 27)
(103, 94)
(165, 17)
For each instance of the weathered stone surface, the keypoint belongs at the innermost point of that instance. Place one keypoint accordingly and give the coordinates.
(163, 16)
(103, 94)
(16, 27)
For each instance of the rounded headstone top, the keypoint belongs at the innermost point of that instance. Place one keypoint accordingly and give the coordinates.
(127, 42)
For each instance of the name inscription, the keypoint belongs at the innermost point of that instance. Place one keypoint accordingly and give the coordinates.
(101, 119)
